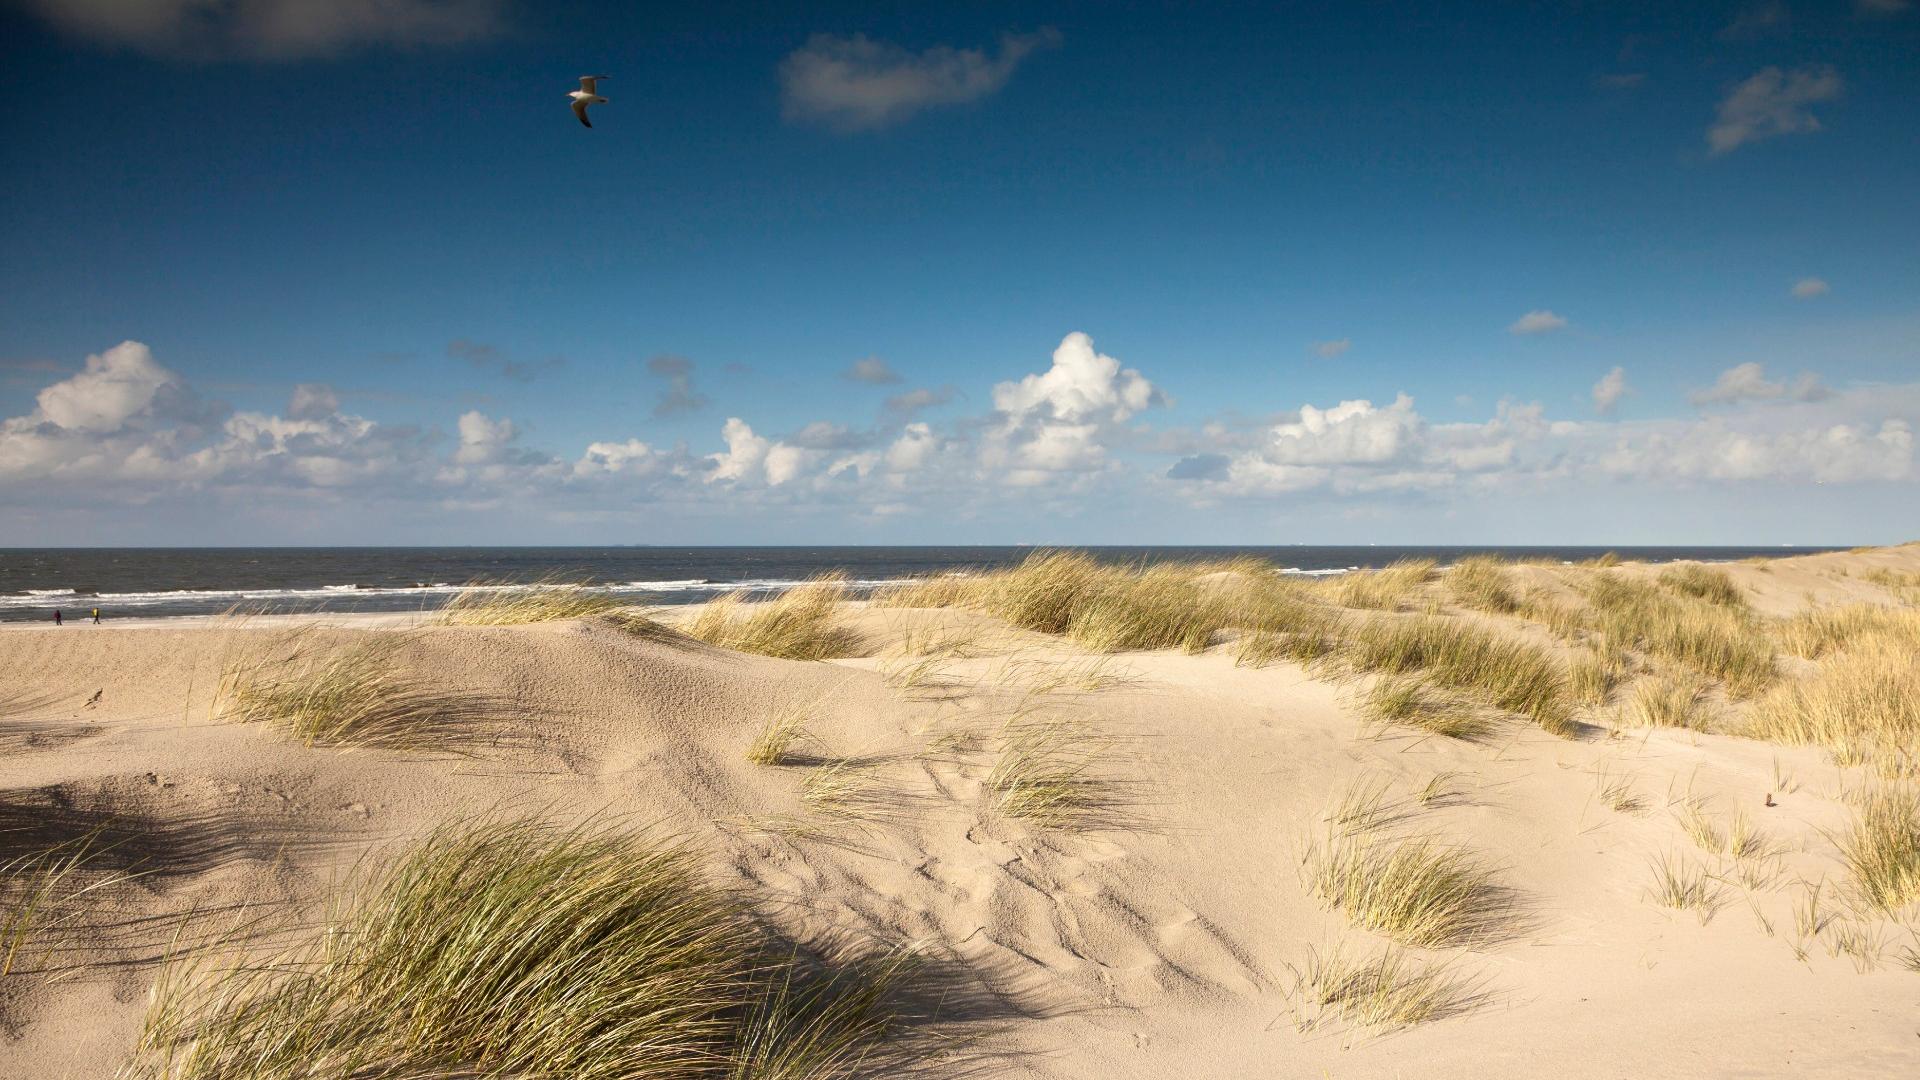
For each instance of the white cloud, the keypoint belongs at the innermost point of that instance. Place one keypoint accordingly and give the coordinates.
(1609, 390)
(270, 29)
(912, 449)
(632, 457)
(873, 370)
(1715, 450)
(1771, 103)
(1749, 382)
(1327, 350)
(856, 83)
(1537, 322)
(1350, 432)
(1081, 384)
(127, 432)
(1808, 288)
(744, 453)
(482, 438)
(116, 386)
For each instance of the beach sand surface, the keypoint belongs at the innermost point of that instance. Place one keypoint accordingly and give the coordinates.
(1161, 943)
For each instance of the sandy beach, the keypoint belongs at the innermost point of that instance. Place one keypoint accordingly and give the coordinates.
(1176, 926)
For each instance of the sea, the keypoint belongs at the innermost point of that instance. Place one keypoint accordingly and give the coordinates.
(167, 582)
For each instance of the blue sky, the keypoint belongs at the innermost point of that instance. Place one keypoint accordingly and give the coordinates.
(1253, 213)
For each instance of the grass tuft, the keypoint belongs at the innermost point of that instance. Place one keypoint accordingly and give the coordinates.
(799, 624)
(1863, 707)
(1708, 583)
(1382, 993)
(1685, 886)
(356, 696)
(1715, 641)
(1418, 890)
(1056, 773)
(1481, 581)
(1668, 701)
(774, 743)
(1411, 701)
(513, 948)
(1385, 589)
(1882, 848)
(1506, 674)
(508, 604)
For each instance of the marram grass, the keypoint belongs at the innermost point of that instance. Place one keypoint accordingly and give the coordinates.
(353, 695)
(508, 604)
(1863, 706)
(519, 949)
(799, 624)
(1882, 848)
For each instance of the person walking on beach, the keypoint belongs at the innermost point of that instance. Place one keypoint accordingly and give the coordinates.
(96, 616)
(56, 616)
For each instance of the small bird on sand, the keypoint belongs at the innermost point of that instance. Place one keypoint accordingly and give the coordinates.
(585, 96)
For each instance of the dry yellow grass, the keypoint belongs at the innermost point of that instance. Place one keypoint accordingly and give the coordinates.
(1882, 848)
(1592, 676)
(1703, 583)
(773, 744)
(1410, 701)
(1384, 993)
(1418, 890)
(1821, 631)
(1058, 772)
(1686, 886)
(799, 624)
(1863, 706)
(507, 604)
(1716, 641)
(1668, 701)
(1481, 581)
(1506, 674)
(1385, 589)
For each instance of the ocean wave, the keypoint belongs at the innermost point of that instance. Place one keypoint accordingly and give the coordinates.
(214, 598)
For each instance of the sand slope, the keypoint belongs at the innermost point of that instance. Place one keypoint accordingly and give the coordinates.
(1159, 947)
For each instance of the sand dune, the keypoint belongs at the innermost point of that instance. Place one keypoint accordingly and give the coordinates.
(1163, 936)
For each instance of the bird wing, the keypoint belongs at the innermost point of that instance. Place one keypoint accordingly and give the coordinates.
(587, 81)
(580, 110)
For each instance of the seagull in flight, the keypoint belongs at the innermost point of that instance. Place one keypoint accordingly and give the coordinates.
(586, 96)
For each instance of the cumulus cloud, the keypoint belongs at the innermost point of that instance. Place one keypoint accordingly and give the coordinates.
(1081, 384)
(1749, 382)
(856, 83)
(1808, 288)
(1537, 322)
(1327, 350)
(1609, 390)
(1052, 423)
(118, 384)
(679, 396)
(872, 371)
(270, 29)
(1772, 103)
